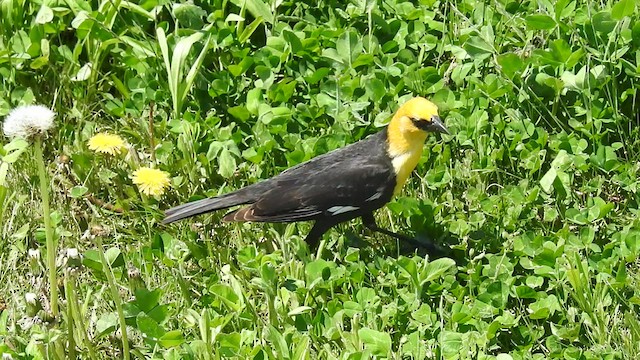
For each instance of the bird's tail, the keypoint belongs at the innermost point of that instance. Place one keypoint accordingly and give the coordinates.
(205, 205)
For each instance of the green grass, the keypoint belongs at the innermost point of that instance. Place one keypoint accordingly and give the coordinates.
(536, 190)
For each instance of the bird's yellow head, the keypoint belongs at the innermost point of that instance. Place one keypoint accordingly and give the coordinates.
(410, 125)
(407, 133)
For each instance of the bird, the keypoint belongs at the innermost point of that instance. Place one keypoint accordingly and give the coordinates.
(341, 185)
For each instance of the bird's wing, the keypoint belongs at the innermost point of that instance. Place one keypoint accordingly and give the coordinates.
(325, 189)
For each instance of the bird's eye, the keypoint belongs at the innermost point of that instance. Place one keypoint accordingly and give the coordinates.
(419, 121)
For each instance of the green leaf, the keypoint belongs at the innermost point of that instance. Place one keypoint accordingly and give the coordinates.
(560, 50)
(332, 54)
(302, 349)
(230, 344)
(160, 313)
(191, 75)
(315, 269)
(376, 89)
(15, 144)
(189, 15)
(378, 343)
(147, 300)
(228, 297)
(4, 169)
(563, 8)
(623, 8)
(423, 314)
(510, 63)
(257, 8)
(544, 307)
(39, 62)
(348, 46)
(226, 163)
(239, 69)
(78, 191)
(240, 112)
(45, 15)
(106, 324)
(547, 180)
(576, 216)
(171, 339)
(14, 149)
(409, 265)
(635, 34)
(174, 64)
(540, 22)
(278, 342)
(151, 330)
(21, 43)
(114, 257)
(451, 343)
(478, 47)
(233, 18)
(268, 273)
(249, 30)
(254, 99)
(601, 208)
(282, 91)
(603, 22)
(436, 268)
(84, 73)
(605, 158)
(300, 310)
(367, 296)
(293, 40)
(91, 259)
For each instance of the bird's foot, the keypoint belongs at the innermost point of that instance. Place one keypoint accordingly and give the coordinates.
(428, 246)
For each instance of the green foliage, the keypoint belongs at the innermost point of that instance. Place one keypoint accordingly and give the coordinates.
(535, 191)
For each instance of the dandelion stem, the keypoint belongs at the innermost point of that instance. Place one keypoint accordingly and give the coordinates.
(71, 348)
(116, 297)
(152, 141)
(75, 317)
(51, 246)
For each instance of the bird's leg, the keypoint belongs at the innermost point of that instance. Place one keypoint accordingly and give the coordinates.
(370, 222)
(318, 229)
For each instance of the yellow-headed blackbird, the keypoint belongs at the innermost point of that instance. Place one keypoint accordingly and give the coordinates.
(343, 184)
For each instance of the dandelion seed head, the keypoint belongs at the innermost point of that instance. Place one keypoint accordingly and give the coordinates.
(30, 298)
(34, 254)
(151, 181)
(28, 121)
(72, 253)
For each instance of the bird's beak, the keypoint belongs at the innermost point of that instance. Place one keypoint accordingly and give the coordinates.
(437, 125)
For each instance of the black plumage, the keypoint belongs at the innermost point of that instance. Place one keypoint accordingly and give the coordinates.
(335, 187)
(343, 184)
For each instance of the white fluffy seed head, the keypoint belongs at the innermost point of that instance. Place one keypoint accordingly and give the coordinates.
(34, 254)
(72, 253)
(28, 121)
(30, 298)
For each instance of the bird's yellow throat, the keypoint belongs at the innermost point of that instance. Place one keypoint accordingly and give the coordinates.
(405, 147)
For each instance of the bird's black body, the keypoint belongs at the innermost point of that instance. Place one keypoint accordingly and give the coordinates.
(341, 185)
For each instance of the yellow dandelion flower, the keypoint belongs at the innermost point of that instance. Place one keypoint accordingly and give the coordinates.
(106, 143)
(151, 181)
